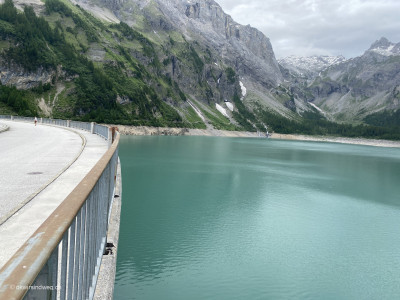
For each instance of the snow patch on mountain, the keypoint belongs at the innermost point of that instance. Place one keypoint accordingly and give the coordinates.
(229, 105)
(317, 108)
(311, 65)
(244, 90)
(221, 110)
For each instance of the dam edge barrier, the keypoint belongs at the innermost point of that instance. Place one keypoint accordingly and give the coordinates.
(62, 259)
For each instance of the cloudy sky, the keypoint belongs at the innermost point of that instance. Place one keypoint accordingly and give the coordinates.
(323, 27)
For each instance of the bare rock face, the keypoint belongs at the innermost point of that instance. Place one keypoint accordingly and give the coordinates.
(362, 85)
(112, 4)
(37, 5)
(11, 74)
(220, 42)
(193, 11)
(244, 47)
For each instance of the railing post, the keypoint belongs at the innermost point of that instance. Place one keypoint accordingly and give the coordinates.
(68, 123)
(64, 265)
(12, 118)
(110, 138)
(92, 128)
(72, 258)
(53, 267)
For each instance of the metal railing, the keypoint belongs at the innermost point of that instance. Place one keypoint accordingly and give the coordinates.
(101, 130)
(25, 119)
(82, 125)
(61, 260)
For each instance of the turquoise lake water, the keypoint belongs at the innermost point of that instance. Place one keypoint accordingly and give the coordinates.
(231, 218)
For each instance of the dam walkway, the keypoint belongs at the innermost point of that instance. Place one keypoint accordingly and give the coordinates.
(40, 166)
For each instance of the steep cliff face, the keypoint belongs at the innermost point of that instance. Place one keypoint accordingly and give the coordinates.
(12, 74)
(217, 38)
(249, 50)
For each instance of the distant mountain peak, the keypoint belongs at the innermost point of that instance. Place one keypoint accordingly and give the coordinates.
(381, 43)
(310, 64)
(385, 47)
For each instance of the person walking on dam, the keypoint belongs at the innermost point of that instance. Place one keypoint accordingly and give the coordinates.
(35, 121)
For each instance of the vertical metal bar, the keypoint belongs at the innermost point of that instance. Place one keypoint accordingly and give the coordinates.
(104, 203)
(99, 217)
(82, 252)
(64, 270)
(109, 137)
(102, 209)
(108, 194)
(94, 239)
(88, 246)
(101, 196)
(77, 251)
(53, 263)
(95, 228)
(71, 260)
(100, 212)
(94, 234)
(90, 242)
(85, 254)
(110, 180)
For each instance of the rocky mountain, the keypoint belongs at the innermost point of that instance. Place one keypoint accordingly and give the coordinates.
(216, 36)
(356, 88)
(244, 47)
(193, 56)
(180, 63)
(309, 66)
(385, 47)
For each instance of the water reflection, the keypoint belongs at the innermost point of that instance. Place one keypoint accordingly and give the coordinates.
(209, 218)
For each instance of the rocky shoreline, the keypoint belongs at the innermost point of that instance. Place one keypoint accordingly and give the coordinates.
(146, 130)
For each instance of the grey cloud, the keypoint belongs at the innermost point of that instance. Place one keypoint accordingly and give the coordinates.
(307, 27)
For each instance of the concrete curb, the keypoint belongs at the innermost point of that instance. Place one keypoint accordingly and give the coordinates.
(30, 197)
(105, 282)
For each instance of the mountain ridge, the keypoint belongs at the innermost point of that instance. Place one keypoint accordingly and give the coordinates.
(362, 85)
(180, 64)
(310, 65)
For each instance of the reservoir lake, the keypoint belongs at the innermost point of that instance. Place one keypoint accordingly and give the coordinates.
(237, 218)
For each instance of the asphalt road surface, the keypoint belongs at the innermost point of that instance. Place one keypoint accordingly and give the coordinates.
(30, 157)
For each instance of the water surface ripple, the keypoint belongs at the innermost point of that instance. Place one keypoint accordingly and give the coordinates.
(229, 218)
